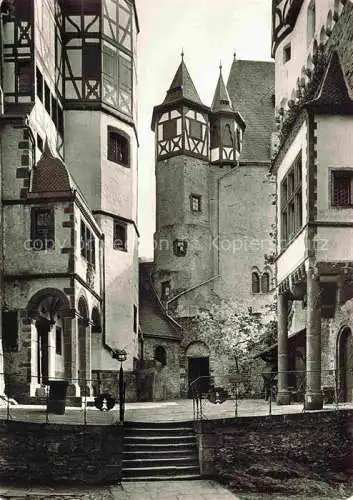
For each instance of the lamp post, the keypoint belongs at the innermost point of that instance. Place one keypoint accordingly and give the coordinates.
(121, 355)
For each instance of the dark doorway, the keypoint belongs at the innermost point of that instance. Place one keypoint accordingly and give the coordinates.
(199, 371)
(43, 327)
(346, 365)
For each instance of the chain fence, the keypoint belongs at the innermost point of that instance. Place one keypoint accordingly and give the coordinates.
(224, 397)
(57, 401)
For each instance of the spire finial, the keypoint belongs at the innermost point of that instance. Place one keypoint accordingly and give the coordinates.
(220, 66)
(182, 55)
(234, 55)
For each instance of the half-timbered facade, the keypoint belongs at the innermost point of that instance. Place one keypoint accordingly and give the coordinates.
(312, 46)
(68, 111)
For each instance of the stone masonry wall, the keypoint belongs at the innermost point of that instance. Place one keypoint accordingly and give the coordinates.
(45, 453)
(262, 453)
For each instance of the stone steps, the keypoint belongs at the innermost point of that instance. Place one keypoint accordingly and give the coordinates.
(159, 451)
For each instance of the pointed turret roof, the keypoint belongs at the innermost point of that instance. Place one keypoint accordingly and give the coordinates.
(182, 86)
(221, 99)
(333, 90)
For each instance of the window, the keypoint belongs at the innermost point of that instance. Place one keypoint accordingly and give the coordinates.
(341, 182)
(328, 299)
(39, 82)
(10, 331)
(238, 139)
(24, 77)
(195, 203)
(291, 202)
(196, 129)
(96, 320)
(40, 143)
(47, 97)
(91, 58)
(255, 282)
(88, 247)
(170, 129)
(311, 21)
(58, 340)
(160, 355)
(265, 282)
(228, 138)
(166, 289)
(117, 78)
(135, 318)
(42, 228)
(120, 236)
(180, 247)
(287, 53)
(118, 148)
(60, 121)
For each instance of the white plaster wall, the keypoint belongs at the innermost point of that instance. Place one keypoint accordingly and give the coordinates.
(334, 243)
(334, 150)
(287, 73)
(118, 183)
(292, 257)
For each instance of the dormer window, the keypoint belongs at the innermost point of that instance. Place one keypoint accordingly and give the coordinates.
(287, 53)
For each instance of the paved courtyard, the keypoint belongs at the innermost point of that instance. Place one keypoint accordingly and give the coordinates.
(164, 411)
(149, 490)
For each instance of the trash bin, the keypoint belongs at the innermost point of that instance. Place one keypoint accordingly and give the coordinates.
(57, 396)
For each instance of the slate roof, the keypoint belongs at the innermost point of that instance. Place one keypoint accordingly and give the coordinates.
(333, 90)
(153, 320)
(50, 174)
(221, 99)
(251, 86)
(182, 86)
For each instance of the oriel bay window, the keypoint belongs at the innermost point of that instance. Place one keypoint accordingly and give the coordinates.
(291, 202)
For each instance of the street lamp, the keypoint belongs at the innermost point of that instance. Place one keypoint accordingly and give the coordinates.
(121, 355)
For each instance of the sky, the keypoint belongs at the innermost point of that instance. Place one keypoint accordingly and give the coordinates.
(208, 32)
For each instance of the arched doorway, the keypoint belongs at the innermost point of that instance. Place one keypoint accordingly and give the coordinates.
(82, 346)
(198, 367)
(345, 364)
(47, 310)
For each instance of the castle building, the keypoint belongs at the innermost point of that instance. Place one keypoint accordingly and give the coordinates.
(68, 174)
(214, 212)
(313, 49)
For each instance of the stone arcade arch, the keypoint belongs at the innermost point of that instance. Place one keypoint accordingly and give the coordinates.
(345, 364)
(47, 311)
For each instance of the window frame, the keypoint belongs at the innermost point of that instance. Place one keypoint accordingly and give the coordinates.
(123, 247)
(291, 201)
(257, 290)
(346, 172)
(87, 244)
(48, 242)
(170, 129)
(24, 77)
(176, 247)
(116, 134)
(198, 198)
(192, 123)
(165, 285)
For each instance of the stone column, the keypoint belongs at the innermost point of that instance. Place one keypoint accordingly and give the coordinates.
(313, 396)
(283, 393)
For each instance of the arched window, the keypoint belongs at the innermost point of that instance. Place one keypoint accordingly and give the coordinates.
(265, 282)
(96, 320)
(255, 282)
(160, 355)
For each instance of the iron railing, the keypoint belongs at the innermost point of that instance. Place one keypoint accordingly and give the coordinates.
(223, 397)
(51, 404)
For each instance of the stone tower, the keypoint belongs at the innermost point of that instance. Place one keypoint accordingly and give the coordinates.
(183, 240)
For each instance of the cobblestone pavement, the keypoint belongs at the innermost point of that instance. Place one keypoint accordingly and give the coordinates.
(139, 490)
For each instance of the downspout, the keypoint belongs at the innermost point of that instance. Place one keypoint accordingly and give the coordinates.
(1, 63)
(105, 345)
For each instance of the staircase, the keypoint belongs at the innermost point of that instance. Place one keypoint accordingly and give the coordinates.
(159, 451)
